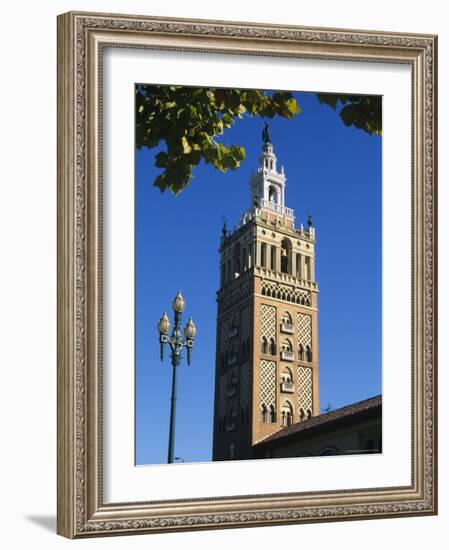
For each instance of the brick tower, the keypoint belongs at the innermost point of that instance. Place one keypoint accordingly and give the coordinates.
(266, 374)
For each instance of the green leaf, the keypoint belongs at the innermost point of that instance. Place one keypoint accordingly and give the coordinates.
(185, 145)
(188, 120)
(328, 99)
(161, 160)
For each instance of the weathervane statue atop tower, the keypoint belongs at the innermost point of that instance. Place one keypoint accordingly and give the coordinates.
(265, 133)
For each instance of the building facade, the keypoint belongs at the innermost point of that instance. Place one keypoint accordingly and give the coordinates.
(266, 375)
(353, 429)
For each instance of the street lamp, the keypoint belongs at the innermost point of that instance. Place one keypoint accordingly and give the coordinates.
(176, 343)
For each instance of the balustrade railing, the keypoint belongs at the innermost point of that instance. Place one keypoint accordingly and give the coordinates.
(287, 328)
(287, 355)
(287, 387)
(277, 208)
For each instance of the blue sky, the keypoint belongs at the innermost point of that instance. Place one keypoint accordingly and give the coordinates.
(334, 172)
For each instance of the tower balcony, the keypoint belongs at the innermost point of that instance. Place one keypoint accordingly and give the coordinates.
(276, 208)
(287, 328)
(287, 387)
(287, 355)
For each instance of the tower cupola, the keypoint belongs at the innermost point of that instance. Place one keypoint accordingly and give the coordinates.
(267, 183)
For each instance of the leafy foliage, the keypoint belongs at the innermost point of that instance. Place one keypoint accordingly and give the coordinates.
(363, 112)
(188, 120)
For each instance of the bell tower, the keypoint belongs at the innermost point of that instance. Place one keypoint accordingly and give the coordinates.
(266, 374)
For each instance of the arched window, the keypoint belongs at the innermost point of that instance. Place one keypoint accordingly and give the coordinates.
(287, 375)
(264, 345)
(286, 318)
(263, 255)
(286, 418)
(302, 415)
(234, 327)
(308, 268)
(301, 352)
(273, 194)
(264, 413)
(273, 257)
(272, 346)
(287, 322)
(287, 345)
(308, 354)
(309, 413)
(272, 414)
(286, 256)
(287, 413)
(233, 355)
(298, 266)
(287, 350)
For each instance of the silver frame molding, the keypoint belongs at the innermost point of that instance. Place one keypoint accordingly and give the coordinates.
(81, 38)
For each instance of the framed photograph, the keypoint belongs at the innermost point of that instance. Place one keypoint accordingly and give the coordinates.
(246, 274)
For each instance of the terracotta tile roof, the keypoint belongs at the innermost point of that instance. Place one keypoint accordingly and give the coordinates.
(326, 420)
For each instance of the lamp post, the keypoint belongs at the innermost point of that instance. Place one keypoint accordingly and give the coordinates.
(176, 343)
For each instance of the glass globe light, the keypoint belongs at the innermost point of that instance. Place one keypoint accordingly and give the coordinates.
(163, 325)
(190, 330)
(178, 303)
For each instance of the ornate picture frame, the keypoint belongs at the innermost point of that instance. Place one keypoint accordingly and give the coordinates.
(82, 40)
